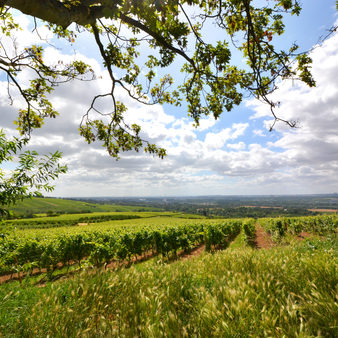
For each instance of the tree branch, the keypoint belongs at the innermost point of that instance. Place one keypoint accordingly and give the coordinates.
(156, 36)
(59, 13)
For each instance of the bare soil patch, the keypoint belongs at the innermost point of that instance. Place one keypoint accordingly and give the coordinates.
(20, 275)
(263, 240)
(303, 235)
(193, 253)
(324, 210)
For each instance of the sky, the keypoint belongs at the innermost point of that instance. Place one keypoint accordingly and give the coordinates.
(235, 155)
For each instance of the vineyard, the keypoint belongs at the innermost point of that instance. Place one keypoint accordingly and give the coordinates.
(24, 251)
(71, 219)
(76, 219)
(219, 279)
(320, 225)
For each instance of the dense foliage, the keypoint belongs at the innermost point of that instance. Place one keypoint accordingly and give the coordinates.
(321, 225)
(32, 174)
(249, 229)
(119, 243)
(123, 30)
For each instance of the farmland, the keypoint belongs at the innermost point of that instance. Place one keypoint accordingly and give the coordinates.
(53, 206)
(76, 219)
(25, 249)
(125, 277)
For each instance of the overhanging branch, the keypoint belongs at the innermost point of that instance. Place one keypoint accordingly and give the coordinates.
(58, 13)
(156, 36)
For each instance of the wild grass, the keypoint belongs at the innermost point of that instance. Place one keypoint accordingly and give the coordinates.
(240, 292)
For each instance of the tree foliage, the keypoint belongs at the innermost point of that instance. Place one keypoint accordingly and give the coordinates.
(174, 32)
(30, 177)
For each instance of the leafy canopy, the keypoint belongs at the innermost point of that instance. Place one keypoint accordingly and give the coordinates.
(30, 177)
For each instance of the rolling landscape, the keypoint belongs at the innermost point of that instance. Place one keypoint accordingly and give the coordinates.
(79, 268)
(168, 169)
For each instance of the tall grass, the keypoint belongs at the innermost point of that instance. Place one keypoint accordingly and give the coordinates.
(282, 292)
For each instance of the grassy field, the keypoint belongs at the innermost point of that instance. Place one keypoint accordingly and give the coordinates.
(289, 290)
(41, 206)
(240, 292)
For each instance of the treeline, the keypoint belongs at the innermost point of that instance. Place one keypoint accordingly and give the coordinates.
(189, 204)
(239, 212)
(220, 209)
(253, 212)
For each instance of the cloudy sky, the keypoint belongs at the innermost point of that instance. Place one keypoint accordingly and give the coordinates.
(233, 155)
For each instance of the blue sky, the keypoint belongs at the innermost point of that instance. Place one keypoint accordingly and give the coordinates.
(233, 155)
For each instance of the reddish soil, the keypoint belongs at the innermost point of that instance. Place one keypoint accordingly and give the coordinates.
(134, 260)
(22, 275)
(304, 235)
(263, 240)
(16, 276)
(193, 253)
(180, 255)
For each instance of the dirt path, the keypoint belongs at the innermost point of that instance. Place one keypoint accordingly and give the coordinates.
(193, 253)
(263, 239)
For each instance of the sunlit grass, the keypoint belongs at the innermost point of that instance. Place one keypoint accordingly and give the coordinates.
(239, 292)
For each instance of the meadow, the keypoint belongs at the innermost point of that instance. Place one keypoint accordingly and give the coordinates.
(165, 275)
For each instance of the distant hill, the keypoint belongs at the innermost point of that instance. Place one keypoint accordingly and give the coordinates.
(36, 206)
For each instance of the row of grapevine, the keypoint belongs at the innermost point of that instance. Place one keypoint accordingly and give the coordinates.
(249, 230)
(320, 225)
(99, 247)
(61, 222)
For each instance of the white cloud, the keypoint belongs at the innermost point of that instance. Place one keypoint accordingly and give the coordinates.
(211, 159)
(310, 152)
(217, 140)
(236, 146)
(258, 132)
